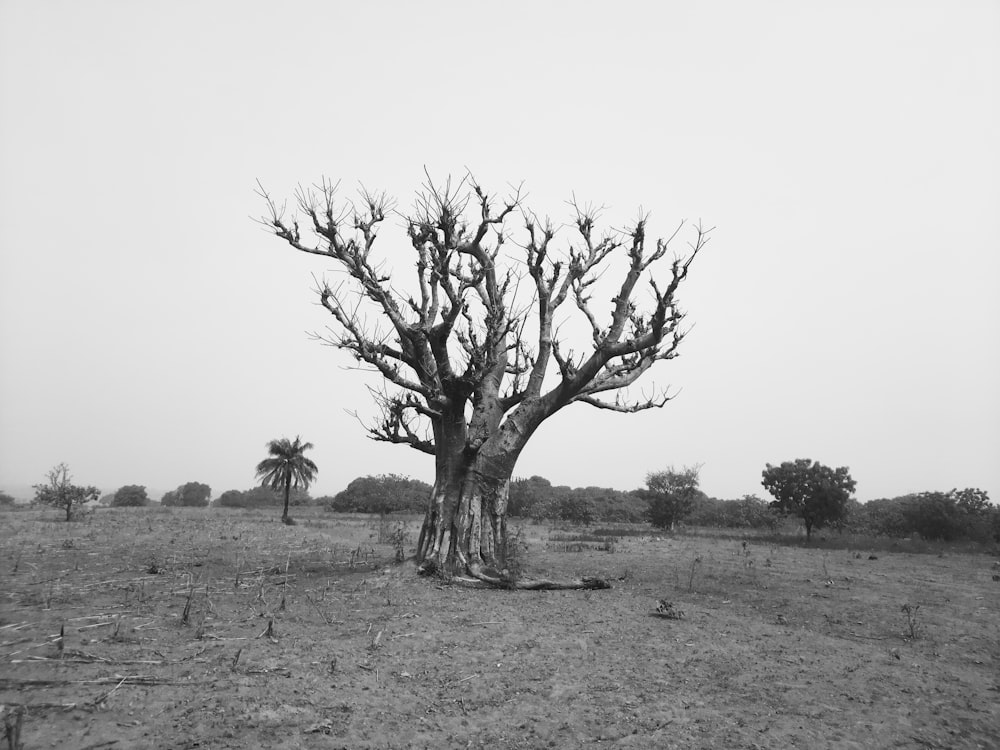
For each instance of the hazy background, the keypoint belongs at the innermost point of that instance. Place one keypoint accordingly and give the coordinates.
(846, 309)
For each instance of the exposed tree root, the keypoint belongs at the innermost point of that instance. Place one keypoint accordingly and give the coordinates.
(477, 578)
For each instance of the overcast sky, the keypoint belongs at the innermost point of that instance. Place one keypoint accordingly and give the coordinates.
(846, 309)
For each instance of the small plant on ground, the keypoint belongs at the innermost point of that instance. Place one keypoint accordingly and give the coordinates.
(398, 538)
(186, 614)
(827, 578)
(912, 623)
(361, 554)
(668, 610)
(515, 555)
(13, 719)
(694, 566)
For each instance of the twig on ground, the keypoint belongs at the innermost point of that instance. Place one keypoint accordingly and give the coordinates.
(269, 631)
(101, 699)
(316, 605)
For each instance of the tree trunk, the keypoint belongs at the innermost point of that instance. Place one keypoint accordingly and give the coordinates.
(464, 532)
(465, 527)
(288, 487)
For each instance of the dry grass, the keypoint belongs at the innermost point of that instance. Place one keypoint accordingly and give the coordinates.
(184, 628)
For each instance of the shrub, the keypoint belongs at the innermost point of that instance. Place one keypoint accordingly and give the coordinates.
(131, 495)
(230, 499)
(386, 493)
(190, 495)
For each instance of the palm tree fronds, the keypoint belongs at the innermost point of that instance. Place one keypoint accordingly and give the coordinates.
(287, 467)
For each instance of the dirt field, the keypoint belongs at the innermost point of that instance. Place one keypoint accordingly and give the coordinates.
(165, 619)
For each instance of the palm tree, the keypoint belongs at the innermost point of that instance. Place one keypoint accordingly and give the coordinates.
(287, 467)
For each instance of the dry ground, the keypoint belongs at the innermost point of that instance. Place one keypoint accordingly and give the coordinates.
(165, 614)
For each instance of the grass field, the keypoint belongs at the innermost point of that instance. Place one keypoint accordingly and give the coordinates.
(179, 628)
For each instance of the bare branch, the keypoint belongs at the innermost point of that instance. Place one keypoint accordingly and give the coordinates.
(625, 407)
(460, 336)
(396, 424)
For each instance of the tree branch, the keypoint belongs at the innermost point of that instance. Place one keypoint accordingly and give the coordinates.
(395, 424)
(461, 335)
(624, 407)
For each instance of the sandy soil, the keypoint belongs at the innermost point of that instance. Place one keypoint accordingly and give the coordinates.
(164, 646)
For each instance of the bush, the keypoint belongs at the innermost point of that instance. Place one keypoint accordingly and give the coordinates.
(7, 501)
(386, 493)
(230, 499)
(190, 495)
(131, 495)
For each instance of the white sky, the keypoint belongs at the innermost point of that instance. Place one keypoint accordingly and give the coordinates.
(846, 309)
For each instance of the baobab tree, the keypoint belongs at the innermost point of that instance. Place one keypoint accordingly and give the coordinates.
(472, 356)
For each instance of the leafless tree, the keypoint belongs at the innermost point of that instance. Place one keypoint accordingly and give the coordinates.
(473, 358)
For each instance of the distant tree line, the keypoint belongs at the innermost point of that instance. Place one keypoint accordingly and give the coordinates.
(262, 497)
(947, 516)
(747, 512)
(817, 495)
(537, 498)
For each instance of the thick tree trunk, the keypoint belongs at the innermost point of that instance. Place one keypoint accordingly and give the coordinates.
(465, 528)
(464, 533)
